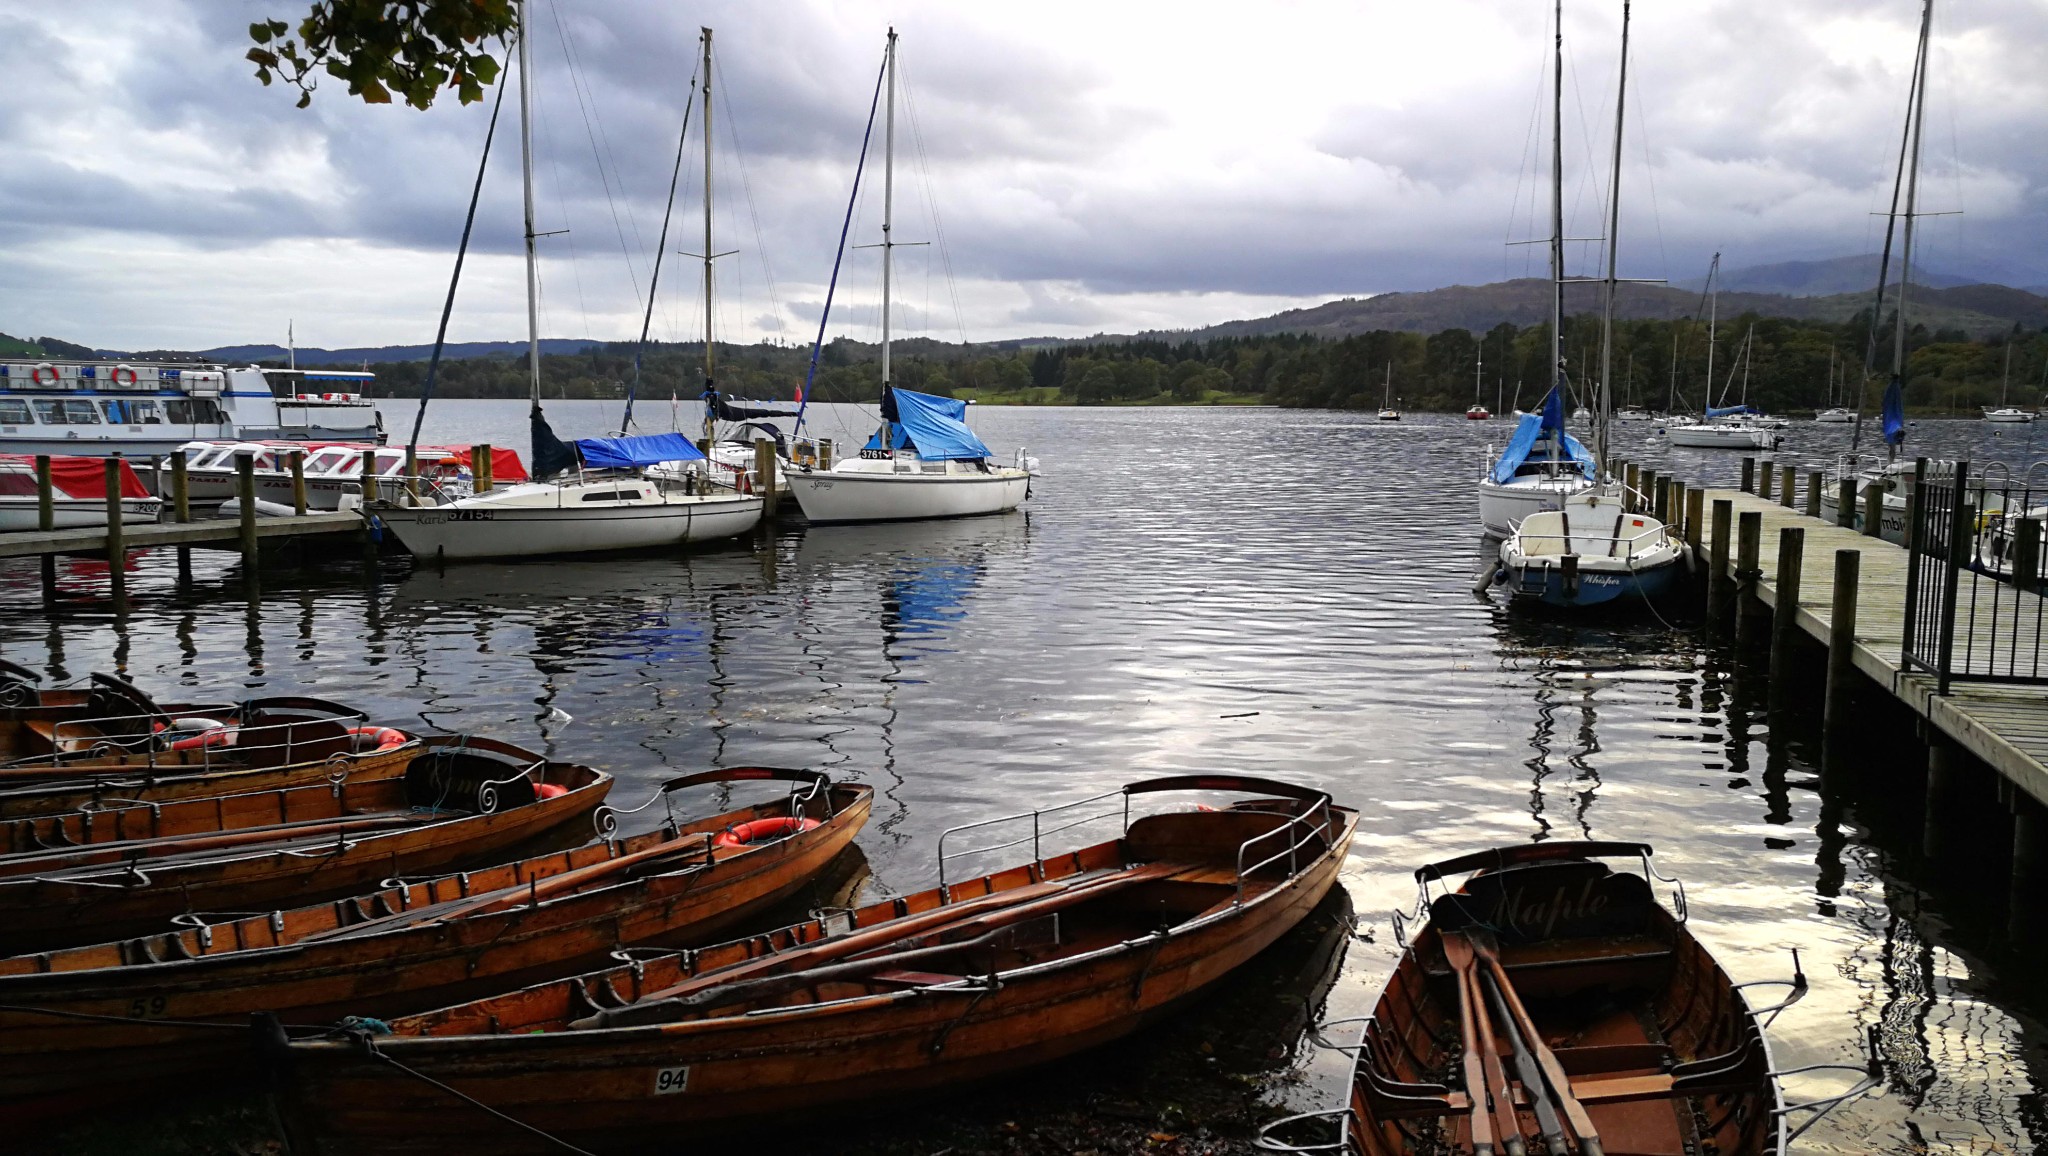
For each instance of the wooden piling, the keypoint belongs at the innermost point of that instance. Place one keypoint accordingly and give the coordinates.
(245, 495)
(1631, 482)
(1873, 510)
(1749, 475)
(764, 474)
(478, 483)
(824, 453)
(1695, 505)
(181, 489)
(369, 475)
(1766, 482)
(115, 531)
(46, 496)
(2026, 554)
(1942, 833)
(1785, 617)
(1788, 487)
(488, 475)
(1749, 609)
(1661, 496)
(1842, 642)
(1845, 503)
(412, 474)
(1815, 486)
(2024, 909)
(1720, 586)
(299, 483)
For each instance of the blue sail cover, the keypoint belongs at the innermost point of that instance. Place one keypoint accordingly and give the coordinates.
(627, 453)
(1725, 410)
(1532, 435)
(1894, 412)
(935, 427)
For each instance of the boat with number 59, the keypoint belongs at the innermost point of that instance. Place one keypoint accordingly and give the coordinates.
(970, 979)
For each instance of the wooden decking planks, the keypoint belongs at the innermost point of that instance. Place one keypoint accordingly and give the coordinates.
(225, 532)
(2004, 724)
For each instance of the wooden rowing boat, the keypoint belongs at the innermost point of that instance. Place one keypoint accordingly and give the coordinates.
(122, 870)
(967, 980)
(79, 1024)
(29, 712)
(1552, 1001)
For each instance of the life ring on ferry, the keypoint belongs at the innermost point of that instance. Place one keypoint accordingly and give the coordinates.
(762, 831)
(123, 375)
(379, 739)
(217, 734)
(36, 377)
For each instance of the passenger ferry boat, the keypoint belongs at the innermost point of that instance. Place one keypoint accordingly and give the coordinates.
(139, 409)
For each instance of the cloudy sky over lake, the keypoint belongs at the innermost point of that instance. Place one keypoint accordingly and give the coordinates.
(1103, 166)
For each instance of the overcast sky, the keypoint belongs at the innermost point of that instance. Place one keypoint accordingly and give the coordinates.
(1099, 166)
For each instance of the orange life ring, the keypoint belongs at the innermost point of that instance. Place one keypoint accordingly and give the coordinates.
(220, 736)
(384, 738)
(119, 379)
(762, 831)
(549, 790)
(35, 375)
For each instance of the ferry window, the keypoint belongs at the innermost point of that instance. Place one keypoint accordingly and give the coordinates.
(51, 411)
(131, 412)
(325, 460)
(193, 411)
(13, 411)
(79, 411)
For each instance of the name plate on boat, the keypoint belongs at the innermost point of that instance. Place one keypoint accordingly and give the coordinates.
(669, 1081)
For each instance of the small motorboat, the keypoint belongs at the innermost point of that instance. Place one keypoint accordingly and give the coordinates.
(78, 494)
(2008, 413)
(70, 1029)
(1592, 552)
(1551, 1004)
(1836, 416)
(1477, 412)
(121, 869)
(973, 978)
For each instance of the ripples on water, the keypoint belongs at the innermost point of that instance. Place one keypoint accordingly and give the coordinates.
(1275, 593)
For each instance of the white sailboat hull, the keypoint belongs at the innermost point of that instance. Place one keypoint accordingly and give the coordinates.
(2008, 414)
(850, 496)
(479, 528)
(1721, 437)
(1502, 507)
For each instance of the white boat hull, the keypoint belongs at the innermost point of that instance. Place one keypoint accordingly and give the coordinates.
(847, 496)
(2008, 415)
(473, 529)
(18, 513)
(1721, 437)
(1502, 507)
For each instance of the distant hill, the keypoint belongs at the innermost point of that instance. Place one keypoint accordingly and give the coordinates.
(1819, 278)
(1980, 310)
(454, 350)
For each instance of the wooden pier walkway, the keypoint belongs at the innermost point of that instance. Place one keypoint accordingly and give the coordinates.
(2003, 724)
(225, 533)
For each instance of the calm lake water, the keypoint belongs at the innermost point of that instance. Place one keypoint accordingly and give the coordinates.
(1278, 593)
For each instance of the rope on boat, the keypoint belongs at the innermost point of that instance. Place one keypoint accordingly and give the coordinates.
(61, 1013)
(369, 1046)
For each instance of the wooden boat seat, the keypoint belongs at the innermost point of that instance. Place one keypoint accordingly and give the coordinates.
(904, 978)
(1209, 838)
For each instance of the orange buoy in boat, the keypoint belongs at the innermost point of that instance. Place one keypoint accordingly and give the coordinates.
(378, 738)
(549, 790)
(762, 831)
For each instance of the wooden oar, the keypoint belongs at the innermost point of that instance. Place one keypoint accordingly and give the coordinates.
(1529, 1041)
(1507, 1126)
(156, 849)
(1459, 954)
(664, 1003)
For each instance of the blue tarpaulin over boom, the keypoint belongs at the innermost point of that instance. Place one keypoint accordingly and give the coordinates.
(626, 453)
(1725, 410)
(1894, 413)
(1530, 444)
(935, 427)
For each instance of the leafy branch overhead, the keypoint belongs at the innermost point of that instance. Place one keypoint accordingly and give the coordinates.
(409, 48)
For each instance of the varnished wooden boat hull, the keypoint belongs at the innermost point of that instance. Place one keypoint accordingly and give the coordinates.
(165, 785)
(50, 1063)
(39, 911)
(1659, 1044)
(655, 1087)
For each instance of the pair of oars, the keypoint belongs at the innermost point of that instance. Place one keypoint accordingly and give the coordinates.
(1542, 1077)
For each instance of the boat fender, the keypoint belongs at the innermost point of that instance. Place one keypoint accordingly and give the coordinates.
(219, 735)
(377, 738)
(762, 831)
(549, 790)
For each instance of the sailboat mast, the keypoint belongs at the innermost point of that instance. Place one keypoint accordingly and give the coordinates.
(1912, 193)
(1605, 408)
(1713, 314)
(888, 202)
(526, 186)
(1557, 205)
(709, 252)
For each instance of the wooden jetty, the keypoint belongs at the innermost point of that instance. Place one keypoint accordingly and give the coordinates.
(1773, 565)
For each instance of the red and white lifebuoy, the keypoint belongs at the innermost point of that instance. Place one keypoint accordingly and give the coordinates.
(762, 831)
(378, 739)
(36, 375)
(221, 735)
(123, 375)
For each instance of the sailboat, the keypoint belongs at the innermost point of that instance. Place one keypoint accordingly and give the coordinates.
(2005, 412)
(1542, 466)
(1894, 475)
(924, 461)
(1721, 427)
(595, 494)
(1387, 410)
(1477, 411)
(1834, 414)
(1596, 548)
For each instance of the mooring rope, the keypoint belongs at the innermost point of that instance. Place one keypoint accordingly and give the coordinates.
(370, 1047)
